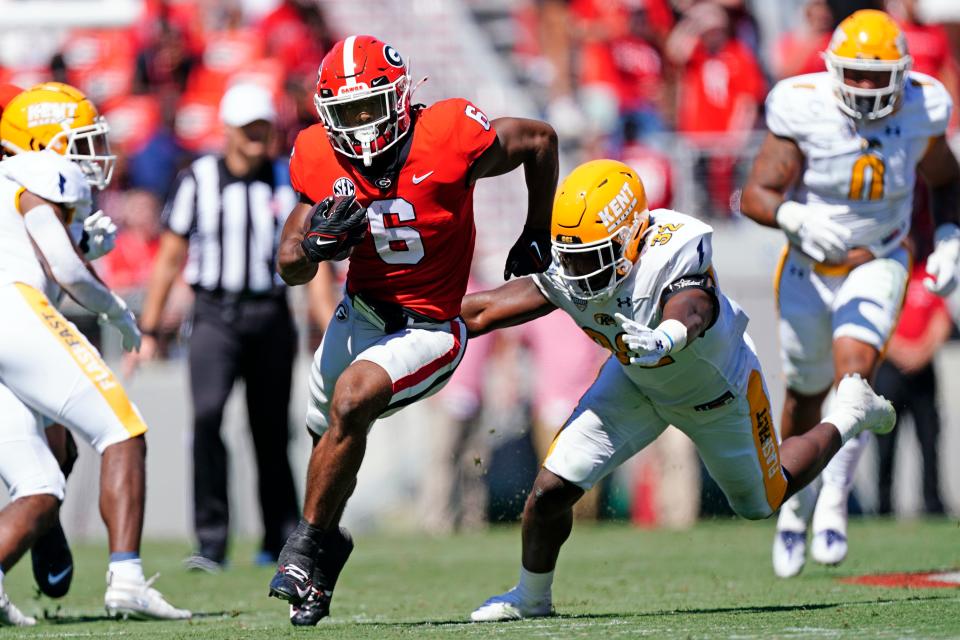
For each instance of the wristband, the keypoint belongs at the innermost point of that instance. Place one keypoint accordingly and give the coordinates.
(676, 332)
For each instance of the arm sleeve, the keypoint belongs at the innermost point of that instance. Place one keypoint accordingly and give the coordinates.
(692, 268)
(938, 105)
(296, 169)
(70, 272)
(778, 112)
(180, 212)
(693, 258)
(473, 131)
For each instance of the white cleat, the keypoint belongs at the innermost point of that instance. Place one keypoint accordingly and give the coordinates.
(872, 411)
(139, 600)
(10, 616)
(829, 547)
(789, 553)
(510, 606)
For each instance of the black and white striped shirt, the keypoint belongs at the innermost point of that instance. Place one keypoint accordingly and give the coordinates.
(233, 224)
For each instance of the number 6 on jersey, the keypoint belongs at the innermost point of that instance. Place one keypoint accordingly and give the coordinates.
(396, 243)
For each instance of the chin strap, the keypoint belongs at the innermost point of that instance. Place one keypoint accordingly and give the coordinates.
(365, 137)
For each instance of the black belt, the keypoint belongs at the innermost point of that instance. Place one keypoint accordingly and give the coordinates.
(389, 317)
(726, 398)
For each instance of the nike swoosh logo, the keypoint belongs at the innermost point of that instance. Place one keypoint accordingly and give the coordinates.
(321, 241)
(56, 578)
(535, 247)
(418, 179)
(302, 592)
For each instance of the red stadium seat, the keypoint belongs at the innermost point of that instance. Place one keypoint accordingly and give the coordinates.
(197, 125)
(133, 120)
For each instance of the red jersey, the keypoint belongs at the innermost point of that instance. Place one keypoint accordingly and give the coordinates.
(919, 307)
(418, 250)
(711, 85)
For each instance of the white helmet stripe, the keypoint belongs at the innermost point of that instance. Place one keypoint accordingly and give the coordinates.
(349, 67)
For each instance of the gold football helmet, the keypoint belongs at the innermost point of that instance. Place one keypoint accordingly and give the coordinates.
(56, 116)
(599, 217)
(868, 45)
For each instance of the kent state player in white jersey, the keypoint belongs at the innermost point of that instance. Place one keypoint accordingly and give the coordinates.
(642, 285)
(836, 172)
(48, 370)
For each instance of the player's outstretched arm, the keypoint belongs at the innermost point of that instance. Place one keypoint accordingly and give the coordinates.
(775, 169)
(514, 303)
(695, 308)
(292, 262)
(940, 170)
(533, 144)
(45, 223)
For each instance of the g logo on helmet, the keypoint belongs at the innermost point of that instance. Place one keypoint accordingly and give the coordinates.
(344, 186)
(392, 56)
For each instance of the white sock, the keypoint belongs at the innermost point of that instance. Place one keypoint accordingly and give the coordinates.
(534, 587)
(127, 570)
(840, 470)
(795, 513)
(1, 581)
(831, 511)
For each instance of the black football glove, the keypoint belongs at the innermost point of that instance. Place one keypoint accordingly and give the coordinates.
(337, 223)
(529, 254)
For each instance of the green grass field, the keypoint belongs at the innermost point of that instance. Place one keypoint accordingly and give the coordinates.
(613, 582)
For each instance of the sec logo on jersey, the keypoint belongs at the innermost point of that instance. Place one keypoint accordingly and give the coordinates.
(344, 186)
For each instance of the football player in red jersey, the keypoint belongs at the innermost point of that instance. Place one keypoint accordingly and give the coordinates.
(390, 184)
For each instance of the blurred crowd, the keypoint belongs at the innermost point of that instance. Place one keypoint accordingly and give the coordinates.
(159, 83)
(615, 74)
(630, 79)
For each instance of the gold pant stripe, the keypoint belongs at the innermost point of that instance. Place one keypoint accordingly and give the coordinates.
(778, 273)
(86, 358)
(765, 440)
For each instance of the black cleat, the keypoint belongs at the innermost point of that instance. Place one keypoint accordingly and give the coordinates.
(331, 557)
(52, 562)
(291, 583)
(314, 609)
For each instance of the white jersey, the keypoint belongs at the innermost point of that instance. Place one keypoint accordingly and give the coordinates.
(50, 176)
(869, 167)
(713, 365)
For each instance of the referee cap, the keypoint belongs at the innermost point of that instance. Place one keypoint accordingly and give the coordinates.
(246, 103)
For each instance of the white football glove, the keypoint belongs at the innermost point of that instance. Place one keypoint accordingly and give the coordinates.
(809, 227)
(101, 235)
(125, 322)
(649, 346)
(942, 264)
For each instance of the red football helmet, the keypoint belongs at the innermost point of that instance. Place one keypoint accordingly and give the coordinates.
(363, 97)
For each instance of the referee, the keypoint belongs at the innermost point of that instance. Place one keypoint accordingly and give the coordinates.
(223, 221)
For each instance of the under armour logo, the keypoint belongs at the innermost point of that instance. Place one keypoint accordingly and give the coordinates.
(624, 302)
(659, 345)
